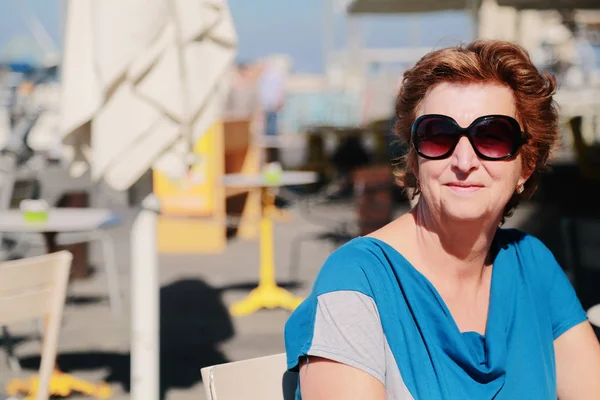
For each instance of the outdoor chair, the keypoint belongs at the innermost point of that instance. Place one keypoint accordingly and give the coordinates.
(264, 378)
(593, 315)
(33, 288)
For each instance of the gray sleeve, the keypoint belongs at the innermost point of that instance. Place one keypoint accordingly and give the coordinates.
(348, 330)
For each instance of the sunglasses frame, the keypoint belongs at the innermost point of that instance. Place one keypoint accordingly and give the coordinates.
(468, 132)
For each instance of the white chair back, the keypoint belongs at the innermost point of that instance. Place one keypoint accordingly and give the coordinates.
(36, 287)
(593, 314)
(263, 378)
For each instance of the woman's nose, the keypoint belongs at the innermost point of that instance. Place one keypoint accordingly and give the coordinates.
(464, 157)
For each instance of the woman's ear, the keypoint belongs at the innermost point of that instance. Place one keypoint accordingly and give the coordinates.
(525, 175)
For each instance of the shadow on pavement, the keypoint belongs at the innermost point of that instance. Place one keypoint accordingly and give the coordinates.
(193, 322)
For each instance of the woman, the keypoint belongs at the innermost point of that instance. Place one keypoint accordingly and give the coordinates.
(441, 303)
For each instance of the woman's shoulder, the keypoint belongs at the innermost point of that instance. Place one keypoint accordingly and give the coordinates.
(361, 249)
(531, 253)
(506, 238)
(352, 266)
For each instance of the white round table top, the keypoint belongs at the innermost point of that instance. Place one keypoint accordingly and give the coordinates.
(288, 178)
(59, 220)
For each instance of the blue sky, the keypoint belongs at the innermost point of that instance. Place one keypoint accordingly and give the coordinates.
(294, 27)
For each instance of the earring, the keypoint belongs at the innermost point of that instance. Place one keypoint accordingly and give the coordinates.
(520, 189)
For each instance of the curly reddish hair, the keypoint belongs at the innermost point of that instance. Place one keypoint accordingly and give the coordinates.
(483, 61)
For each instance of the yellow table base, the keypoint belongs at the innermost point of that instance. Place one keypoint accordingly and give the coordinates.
(61, 384)
(265, 296)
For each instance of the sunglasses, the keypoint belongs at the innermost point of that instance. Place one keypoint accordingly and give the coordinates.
(493, 137)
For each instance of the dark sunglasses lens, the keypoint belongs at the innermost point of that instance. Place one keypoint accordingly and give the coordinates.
(495, 138)
(435, 137)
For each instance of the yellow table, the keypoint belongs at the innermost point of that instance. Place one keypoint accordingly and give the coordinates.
(268, 294)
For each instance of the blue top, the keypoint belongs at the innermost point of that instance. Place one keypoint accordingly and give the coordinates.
(531, 304)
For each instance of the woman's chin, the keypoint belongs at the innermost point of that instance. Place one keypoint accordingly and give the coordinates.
(466, 213)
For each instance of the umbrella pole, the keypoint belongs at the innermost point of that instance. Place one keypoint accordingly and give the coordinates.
(145, 302)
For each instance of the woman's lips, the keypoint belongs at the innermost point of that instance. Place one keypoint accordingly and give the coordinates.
(464, 187)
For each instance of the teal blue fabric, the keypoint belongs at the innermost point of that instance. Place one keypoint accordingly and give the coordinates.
(531, 304)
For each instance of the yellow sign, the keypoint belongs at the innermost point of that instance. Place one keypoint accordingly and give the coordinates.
(194, 194)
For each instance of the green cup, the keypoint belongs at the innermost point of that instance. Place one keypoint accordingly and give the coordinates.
(272, 173)
(272, 177)
(34, 210)
(35, 216)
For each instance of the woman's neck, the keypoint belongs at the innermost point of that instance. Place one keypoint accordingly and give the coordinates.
(452, 249)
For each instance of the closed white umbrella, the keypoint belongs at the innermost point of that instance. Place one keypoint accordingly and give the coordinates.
(142, 80)
(162, 61)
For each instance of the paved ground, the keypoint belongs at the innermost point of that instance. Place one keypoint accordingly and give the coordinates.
(196, 329)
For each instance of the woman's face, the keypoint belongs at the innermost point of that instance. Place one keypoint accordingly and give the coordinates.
(462, 186)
